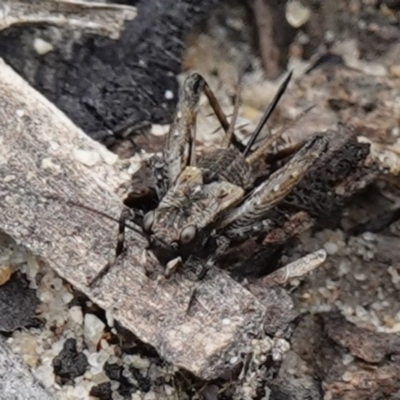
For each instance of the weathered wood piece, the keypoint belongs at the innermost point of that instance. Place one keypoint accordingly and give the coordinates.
(16, 381)
(98, 18)
(41, 153)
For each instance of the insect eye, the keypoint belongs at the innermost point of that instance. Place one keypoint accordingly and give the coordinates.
(223, 193)
(148, 220)
(187, 234)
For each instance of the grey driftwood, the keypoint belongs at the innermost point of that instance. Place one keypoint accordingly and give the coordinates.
(99, 18)
(16, 381)
(44, 156)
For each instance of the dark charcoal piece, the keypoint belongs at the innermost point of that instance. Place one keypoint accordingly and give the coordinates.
(109, 86)
(143, 383)
(70, 364)
(129, 381)
(17, 305)
(102, 391)
(113, 371)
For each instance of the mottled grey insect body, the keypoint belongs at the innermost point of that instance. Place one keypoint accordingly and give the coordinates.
(206, 205)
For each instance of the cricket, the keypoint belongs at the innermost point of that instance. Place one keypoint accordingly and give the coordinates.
(203, 210)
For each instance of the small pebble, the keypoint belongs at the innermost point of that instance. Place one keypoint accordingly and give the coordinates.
(330, 285)
(344, 268)
(295, 282)
(347, 376)
(137, 362)
(5, 273)
(347, 310)
(362, 313)
(296, 14)
(41, 46)
(331, 248)
(76, 315)
(324, 292)
(115, 385)
(159, 130)
(395, 131)
(377, 306)
(93, 330)
(98, 378)
(102, 391)
(28, 349)
(389, 322)
(394, 275)
(57, 284)
(369, 236)
(360, 277)
(67, 297)
(76, 393)
(247, 391)
(70, 363)
(109, 319)
(169, 94)
(150, 396)
(375, 69)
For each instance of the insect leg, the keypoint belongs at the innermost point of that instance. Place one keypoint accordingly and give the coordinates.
(178, 151)
(296, 224)
(203, 267)
(271, 192)
(229, 127)
(126, 215)
(263, 260)
(267, 113)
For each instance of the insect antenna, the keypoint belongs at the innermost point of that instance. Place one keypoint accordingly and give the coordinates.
(259, 152)
(268, 113)
(104, 215)
(229, 134)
